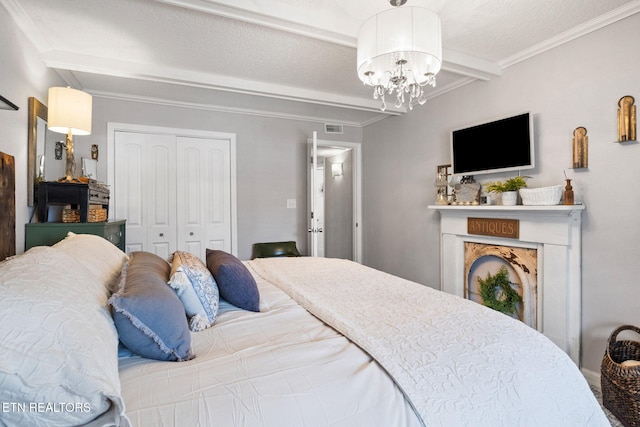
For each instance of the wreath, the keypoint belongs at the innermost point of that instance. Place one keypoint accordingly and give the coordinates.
(497, 292)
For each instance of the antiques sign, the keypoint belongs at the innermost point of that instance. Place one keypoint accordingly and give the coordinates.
(496, 227)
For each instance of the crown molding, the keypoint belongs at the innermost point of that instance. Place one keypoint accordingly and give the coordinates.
(583, 29)
(228, 109)
(24, 22)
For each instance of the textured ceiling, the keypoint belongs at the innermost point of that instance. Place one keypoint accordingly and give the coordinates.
(200, 51)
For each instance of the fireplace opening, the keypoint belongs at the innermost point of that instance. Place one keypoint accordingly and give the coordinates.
(488, 268)
(520, 270)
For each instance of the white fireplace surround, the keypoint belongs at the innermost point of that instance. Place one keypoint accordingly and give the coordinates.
(555, 232)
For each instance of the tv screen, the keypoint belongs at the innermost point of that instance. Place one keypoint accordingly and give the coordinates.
(497, 146)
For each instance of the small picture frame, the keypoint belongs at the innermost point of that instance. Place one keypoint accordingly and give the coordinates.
(443, 173)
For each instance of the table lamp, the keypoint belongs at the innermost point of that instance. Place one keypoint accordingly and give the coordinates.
(69, 113)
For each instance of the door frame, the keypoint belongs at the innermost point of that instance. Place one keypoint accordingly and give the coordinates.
(112, 128)
(356, 148)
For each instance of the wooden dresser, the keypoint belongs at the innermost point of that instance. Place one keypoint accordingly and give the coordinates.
(49, 233)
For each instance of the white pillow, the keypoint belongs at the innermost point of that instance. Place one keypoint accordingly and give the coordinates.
(58, 343)
(193, 282)
(97, 254)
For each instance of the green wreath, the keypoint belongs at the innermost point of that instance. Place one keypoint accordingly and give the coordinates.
(497, 293)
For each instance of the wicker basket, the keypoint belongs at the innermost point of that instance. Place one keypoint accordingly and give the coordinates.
(97, 215)
(543, 196)
(70, 215)
(621, 384)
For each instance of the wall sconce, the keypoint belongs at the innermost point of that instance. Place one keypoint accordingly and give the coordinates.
(336, 169)
(69, 113)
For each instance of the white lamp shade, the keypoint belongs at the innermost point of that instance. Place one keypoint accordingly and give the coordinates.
(69, 111)
(402, 33)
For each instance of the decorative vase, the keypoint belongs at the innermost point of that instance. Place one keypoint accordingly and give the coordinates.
(568, 193)
(509, 198)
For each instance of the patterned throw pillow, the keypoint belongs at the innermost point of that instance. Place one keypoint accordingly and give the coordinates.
(196, 288)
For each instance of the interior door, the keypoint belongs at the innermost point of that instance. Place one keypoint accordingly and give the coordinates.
(204, 194)
(312, 207)
(145, 190)
(325, 234)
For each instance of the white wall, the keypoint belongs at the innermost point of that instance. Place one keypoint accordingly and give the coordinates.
(577, 84)
(22, 75)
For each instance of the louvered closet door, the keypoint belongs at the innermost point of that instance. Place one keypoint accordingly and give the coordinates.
(145, 190)
(204, 195)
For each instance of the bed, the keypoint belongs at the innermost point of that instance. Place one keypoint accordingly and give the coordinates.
(333, 343)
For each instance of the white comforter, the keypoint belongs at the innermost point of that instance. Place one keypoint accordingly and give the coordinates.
(281, 367)
(459, 363)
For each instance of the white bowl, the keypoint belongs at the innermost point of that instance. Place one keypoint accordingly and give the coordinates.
(543, 196)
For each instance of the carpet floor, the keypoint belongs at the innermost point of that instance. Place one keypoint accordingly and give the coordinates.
(612, 419)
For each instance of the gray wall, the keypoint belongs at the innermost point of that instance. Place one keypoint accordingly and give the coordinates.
(22, 74)
(577, 84)
(338, 207)
(271, 161)
(271, 152)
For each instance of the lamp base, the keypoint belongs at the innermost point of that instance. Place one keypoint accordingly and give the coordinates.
(70, 166)
(70, 180)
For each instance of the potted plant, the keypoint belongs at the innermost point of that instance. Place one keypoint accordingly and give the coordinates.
(508, 189)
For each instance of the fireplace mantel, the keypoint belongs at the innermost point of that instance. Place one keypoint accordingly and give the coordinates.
(555, 231)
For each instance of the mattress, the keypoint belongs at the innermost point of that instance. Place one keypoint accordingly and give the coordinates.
(279, 367)
(339, 344)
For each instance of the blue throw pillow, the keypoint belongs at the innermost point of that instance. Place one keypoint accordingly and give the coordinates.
(148, 315)
(235, 283)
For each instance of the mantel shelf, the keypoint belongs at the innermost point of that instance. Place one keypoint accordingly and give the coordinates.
(516, 208)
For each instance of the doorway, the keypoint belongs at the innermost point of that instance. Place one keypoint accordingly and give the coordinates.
(334, 200)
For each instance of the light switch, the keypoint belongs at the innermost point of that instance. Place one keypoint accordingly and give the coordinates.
(291, 203)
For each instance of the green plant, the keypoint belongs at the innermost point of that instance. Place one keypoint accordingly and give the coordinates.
(497, 293)
(512, 184)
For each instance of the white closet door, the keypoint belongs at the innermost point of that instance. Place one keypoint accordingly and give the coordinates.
(204, 195)
(145, 190)
(176, 192)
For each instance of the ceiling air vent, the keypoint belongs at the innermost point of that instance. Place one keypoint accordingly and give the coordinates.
(329, 128)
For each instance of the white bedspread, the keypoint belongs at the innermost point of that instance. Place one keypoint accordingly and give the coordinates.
(281, 367)
(459, 363)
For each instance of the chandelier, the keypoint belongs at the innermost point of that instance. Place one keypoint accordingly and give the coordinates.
(400, 50)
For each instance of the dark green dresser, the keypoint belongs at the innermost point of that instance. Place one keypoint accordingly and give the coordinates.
(49, 233)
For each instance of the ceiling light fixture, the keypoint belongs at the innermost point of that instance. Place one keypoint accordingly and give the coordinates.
(400, 50)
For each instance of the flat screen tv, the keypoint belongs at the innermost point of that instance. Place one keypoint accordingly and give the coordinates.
(500, 145)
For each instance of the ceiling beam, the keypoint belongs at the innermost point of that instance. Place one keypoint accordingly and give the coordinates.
(455, 62)
(176, 76)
